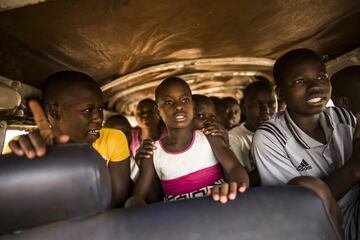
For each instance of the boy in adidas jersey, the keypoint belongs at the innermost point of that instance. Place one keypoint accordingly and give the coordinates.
(187, 162)
(309, 139)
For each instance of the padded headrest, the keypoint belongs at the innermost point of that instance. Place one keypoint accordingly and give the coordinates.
(70, 181)
(271, 213)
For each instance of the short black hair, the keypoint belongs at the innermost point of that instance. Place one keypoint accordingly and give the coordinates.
(197, 99)
(291, 58)
(228, 100)
(146, 100)
(115, 119)
(264, 86)
(169, 81)
(218, 104)
(57, 84)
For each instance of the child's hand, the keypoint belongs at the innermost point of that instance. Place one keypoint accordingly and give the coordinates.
(214, 128)
(134, 202)
(145, 151)
(227, 191)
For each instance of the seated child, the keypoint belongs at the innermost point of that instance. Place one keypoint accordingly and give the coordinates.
(231, 114)
(205, 118)
(187, 162)
(73, 105)
(149, 123)
(259, 106)
(309, 139)
(219, 109)
(204, 110)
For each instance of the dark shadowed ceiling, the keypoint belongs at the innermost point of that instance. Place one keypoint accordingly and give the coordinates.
(129, 46)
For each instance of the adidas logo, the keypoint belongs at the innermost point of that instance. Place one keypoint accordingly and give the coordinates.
(304, 166)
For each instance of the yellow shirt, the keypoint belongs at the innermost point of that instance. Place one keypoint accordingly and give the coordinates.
(112, 145)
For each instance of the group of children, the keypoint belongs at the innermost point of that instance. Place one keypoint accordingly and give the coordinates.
(183, 149)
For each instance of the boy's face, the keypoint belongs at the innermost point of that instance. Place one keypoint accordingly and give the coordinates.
(305, 88)
(231, 114)
(202, 113)
(259, 107)
(146, 116)
(175, 106)
(80, 113)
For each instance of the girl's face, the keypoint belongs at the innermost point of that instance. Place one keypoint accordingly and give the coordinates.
(175, 106)
(232, 113)
(146, 116)
(202, 113)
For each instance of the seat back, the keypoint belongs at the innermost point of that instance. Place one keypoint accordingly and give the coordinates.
(70, 181)
(271, 213)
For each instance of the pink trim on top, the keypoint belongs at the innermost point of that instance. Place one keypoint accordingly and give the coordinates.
(192, 181)
(135, 141)
(180, 151)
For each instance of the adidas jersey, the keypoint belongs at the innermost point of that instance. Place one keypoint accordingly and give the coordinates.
(283, 151)
(112, 145)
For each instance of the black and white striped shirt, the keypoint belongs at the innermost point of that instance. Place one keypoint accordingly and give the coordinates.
(283, 151)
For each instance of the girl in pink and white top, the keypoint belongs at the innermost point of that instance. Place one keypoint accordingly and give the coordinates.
(186, 161)
(190, 172)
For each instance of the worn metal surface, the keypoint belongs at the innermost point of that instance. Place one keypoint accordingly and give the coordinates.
(6, 5)
(109, 39)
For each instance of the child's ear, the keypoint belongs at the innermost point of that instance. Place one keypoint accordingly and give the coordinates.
(54, 111)
(279, 93)
(343, 102)
(156, 110)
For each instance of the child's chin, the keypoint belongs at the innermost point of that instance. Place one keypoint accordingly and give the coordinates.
(182, 125)
(317, 110)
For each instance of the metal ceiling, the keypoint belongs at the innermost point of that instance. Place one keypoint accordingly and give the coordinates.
(206, 41)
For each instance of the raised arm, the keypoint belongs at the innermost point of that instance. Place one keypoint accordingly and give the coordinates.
(147, 172)
(34, 144)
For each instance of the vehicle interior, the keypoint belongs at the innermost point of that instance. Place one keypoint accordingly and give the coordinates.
(129, 47)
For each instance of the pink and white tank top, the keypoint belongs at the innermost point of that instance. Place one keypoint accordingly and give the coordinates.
(190, 172)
